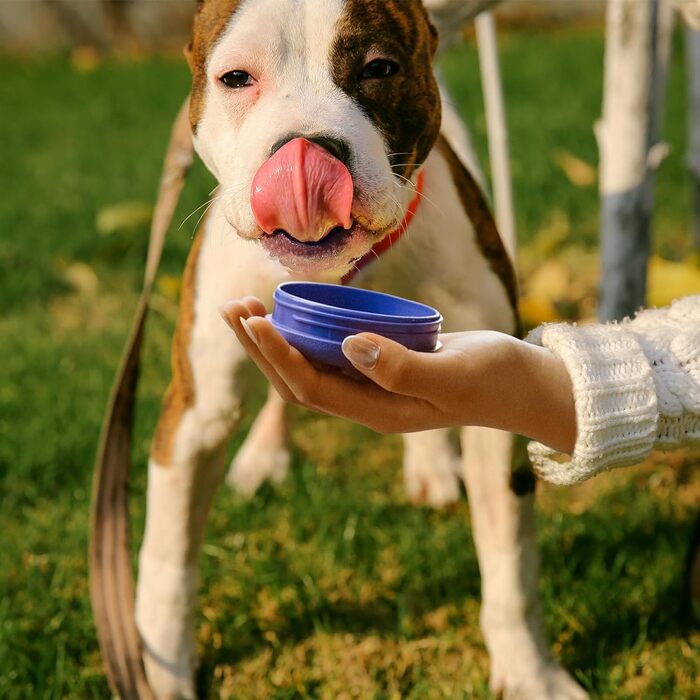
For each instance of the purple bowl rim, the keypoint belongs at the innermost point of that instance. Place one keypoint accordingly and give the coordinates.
(315, 317)
(309, 305)
(335, 344)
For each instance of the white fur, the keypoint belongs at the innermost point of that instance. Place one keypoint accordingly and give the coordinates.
(264, 455)
(503, 526)
(431, 468)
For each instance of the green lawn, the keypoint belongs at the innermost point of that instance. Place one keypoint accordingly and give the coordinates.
(332, 581)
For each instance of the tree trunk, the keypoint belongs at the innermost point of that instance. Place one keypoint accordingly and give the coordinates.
(636, 56)
(692, 47)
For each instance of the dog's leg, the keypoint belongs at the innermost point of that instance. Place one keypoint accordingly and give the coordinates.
(186, 464)
(431, 468)
(264, 455)
(503, 526)
(179, 496)
(185, 468)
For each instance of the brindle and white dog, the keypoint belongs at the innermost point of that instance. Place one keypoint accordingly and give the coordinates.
(291, 100)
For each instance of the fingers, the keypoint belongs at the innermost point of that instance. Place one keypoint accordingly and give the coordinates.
(233, 312)
(387, 404)
(331, 392)
(246, 318)
(391, 365)
(254, 305)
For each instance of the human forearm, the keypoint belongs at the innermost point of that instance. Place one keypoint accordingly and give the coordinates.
(524, 389)
(544, 398)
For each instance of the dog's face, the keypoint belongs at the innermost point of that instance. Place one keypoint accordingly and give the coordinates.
(313, 114)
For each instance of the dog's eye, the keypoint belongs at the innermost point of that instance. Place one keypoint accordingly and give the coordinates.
(237, 79)
(379, 68)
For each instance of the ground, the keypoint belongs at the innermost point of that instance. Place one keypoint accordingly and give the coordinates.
(331, 585)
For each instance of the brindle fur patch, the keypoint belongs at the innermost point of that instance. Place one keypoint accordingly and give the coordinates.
(180, 394)
(479, 213)
(209, 23)
(404, 107)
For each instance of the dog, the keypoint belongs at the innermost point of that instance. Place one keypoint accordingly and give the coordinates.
(325, 127)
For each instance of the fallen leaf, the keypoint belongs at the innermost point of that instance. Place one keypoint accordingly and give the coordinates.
(671, 280)
(84, 59)
(584, 267)
(550, 281)
(536, 310)
(169, 286)
(579, 172)
(124, 216)
(81, 278)
(550, 237)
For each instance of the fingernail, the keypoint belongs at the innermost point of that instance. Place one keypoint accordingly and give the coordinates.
(361, 352)
(249, 331)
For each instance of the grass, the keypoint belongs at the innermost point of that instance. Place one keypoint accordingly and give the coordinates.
(332, 584)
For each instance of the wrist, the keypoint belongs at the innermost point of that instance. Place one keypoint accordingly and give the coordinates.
(499, 381)
(524, 389)
(548, 412)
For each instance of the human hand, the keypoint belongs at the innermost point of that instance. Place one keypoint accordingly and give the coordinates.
(476, 378)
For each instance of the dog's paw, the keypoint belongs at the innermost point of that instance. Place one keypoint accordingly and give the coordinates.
(523, 669)
(165, 602)
(255, 464)
(432, 480)
(551, 682)
(168, 682)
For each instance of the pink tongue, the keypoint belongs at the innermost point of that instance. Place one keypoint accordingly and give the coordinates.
(303, 190)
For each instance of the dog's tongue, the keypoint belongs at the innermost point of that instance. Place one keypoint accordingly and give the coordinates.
(303, 190)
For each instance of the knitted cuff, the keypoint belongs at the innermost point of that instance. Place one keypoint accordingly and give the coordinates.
(614, 395)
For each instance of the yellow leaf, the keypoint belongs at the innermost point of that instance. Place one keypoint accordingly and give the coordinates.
(671, 280)
(124, 216)
(84, 59)
(81, 278)
(579, 172)
(584, 268)
(535, 310)
(550, 281)
(169, 286)
(549, 238)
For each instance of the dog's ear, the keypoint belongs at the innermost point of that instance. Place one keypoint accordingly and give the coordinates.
(434, 37)
(188, 48)
(188, 54)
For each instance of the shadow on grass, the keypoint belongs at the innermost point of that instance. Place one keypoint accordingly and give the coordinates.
(612, 577)
(619, 581)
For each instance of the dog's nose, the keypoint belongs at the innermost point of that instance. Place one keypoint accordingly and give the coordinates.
(302, 190)
(336, 147)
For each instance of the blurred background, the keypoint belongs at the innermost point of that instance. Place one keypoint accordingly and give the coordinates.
(332, 584)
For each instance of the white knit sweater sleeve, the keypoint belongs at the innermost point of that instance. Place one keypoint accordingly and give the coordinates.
(636, 386)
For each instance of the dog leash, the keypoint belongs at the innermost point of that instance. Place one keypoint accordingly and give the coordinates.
(111, 575)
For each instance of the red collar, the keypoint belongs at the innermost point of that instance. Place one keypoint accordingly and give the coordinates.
(389, 240)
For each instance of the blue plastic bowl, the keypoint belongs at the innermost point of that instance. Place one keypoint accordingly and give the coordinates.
(316, 318)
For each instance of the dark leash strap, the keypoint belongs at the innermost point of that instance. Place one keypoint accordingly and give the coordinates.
(111, 575)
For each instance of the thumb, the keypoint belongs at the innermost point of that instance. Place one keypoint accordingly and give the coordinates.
(387, 363)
